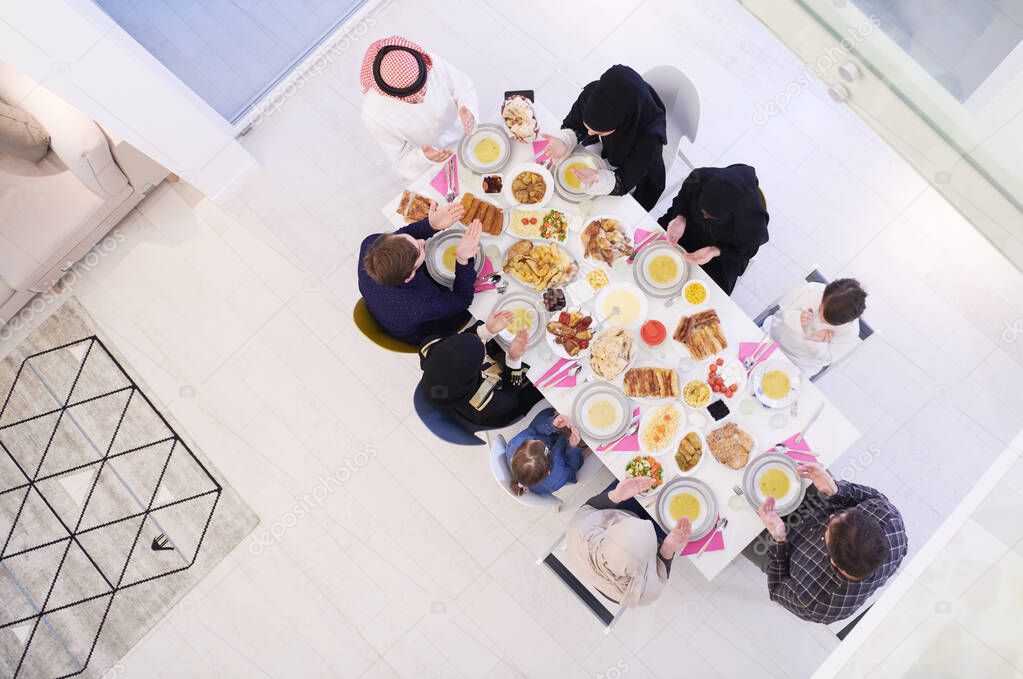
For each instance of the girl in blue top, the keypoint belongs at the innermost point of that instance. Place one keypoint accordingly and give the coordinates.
(545, 455)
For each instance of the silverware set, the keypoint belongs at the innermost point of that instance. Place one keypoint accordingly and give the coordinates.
(750, 361)
(647, 241)
(721, 524)
(562, 373)
(449, 172)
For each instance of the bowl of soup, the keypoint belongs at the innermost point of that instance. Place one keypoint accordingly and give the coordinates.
(776, 383)
(664, 269)
(773, 475)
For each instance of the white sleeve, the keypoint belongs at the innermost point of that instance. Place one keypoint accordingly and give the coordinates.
(567, 136)
(459, 84)
(407, 159)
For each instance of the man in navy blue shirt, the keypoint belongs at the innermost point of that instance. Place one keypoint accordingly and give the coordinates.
(400, 294)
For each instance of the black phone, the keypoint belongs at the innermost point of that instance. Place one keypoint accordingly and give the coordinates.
(528, 94)
(718, 410)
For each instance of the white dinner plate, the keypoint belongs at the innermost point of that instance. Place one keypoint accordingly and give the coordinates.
(704, 495)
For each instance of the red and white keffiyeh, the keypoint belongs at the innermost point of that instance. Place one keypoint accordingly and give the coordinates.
(397, 68)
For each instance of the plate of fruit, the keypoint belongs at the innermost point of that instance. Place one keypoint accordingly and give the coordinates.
(569, 333)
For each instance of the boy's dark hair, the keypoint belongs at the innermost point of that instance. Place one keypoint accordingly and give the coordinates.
(844, 301)
(389, 260)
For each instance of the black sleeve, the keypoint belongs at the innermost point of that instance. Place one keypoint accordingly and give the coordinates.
(686, 196)
(643, 156)
(574, 120)
(602, 501)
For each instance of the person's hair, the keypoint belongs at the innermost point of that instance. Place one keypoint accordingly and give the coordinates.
(844, 301)
(857, 543)
(529, 465)
(389, 260)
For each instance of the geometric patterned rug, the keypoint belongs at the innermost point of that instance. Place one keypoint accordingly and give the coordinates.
(107, 516)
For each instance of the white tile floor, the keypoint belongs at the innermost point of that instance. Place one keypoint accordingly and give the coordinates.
(238, 317)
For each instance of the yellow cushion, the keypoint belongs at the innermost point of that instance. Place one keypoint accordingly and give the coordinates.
(365, 322)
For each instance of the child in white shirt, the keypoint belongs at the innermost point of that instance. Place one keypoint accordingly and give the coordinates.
(818, 324)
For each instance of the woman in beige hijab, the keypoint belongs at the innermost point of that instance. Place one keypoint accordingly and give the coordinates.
(625, 557)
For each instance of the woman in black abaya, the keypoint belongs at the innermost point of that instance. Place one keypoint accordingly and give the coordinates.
(625, 114)
(720, 219)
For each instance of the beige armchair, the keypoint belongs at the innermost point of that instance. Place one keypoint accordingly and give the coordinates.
(54, 211)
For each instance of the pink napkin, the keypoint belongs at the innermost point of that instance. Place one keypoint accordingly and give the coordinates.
(716, 539)
(790, 442)
(642, 234)
(567, 381)
(629, 444)
(441, 184)
(558, 365)
(746, 350)
(538, 146)
(487, 269)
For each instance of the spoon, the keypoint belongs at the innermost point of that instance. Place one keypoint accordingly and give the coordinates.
(719, 526)
(783, 449)
(628, 432)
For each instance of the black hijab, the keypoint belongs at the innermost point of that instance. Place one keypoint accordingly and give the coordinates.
(452, 368)
(622, 101)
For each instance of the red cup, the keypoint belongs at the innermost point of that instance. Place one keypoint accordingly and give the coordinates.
(653, 333)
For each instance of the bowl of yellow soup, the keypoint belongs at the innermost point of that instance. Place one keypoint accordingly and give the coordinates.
(773, 475)
(631, 304)
(685, 496)
(660, 270)
(566, 183)
(601, 411)
(776, 383)
(486, 149)
(441, 250)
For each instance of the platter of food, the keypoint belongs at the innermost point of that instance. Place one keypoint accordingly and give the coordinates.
(646, 465)
(440, 255)
(651, 383)
(689, 453)
(605, 240)
(689, 497)
(414, 206)
(660, 427)
(520, 118)
(700, 335)
(570, 333)
(776, 383)
(547, 225)
(529, 185)
(567, 184)
(486, 149)
(601, 411)
(660, 269)
(529, 315)
(539, 266)
(726, 376)
(493, 218)
(629, 301)
(730, 445)
(611, 352)
(773, 475)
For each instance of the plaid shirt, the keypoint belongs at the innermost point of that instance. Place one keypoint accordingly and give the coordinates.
(800, 576)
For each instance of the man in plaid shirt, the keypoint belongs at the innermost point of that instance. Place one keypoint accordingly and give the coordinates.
(828, 557)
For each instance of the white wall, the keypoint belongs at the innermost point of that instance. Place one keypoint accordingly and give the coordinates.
(79, 53)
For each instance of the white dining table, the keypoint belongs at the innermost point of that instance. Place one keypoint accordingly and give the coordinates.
(831, 434)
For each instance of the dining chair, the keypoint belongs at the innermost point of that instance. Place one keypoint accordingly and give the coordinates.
(445, 425)
(682, 108)
(815, 276)
(368, 326)
(502, 474)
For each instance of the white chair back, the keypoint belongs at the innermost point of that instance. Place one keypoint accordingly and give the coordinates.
(681, 104)
(502, 474)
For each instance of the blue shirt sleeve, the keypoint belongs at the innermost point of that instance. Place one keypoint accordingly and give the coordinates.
(420, 230)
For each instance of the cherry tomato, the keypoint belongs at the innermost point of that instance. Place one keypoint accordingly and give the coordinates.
(720, 361)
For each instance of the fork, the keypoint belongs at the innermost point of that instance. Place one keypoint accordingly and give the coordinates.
(647, 241)
(751, 361)
(449, 169)
(719, 526)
